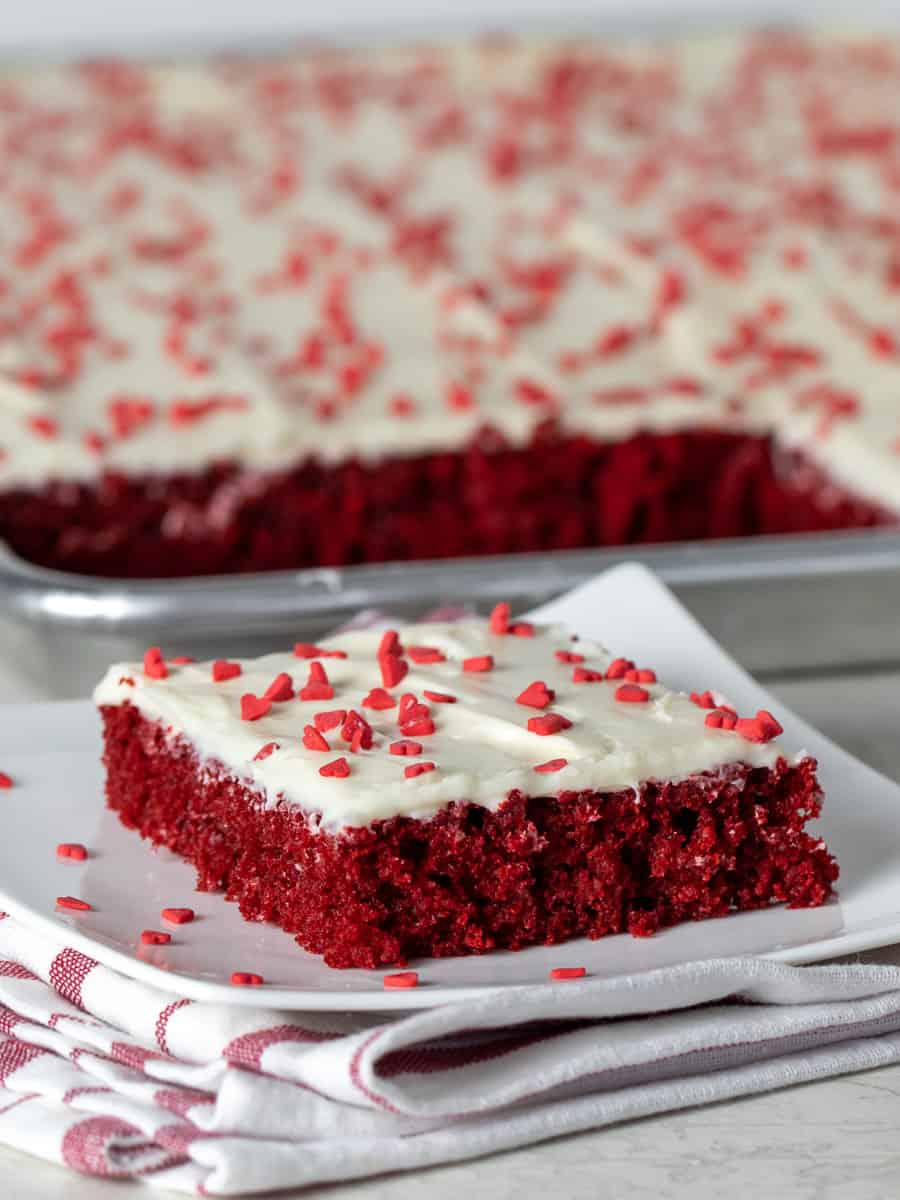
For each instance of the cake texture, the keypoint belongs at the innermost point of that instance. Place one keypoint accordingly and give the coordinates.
(337, 307)
(450, 789)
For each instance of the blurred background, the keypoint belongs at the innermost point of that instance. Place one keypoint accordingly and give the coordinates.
(63, 27)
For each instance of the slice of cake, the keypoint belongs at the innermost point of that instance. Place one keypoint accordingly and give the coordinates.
(448, 789)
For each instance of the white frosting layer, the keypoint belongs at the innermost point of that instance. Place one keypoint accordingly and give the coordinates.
(263, 262)
(481, 745)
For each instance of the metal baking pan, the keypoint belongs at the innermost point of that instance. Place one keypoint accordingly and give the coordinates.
(834, 599)
(781, 604)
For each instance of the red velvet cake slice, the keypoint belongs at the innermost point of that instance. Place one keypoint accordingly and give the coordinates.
(450, 789)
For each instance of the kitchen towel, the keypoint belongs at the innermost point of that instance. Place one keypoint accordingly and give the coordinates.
(120, 1079)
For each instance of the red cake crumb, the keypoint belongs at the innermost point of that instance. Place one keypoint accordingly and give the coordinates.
(646, 488)
(539, 870)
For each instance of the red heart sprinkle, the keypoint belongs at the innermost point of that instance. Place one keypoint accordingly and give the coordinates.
(313, 740)
(411, 709)
(635, 676)
(389, 644)
(536, 695)
(402, 979)
(771, 724)
(585, 675)
(405, 746)
(254, 707)
(618, 667)
(154, 665)
(281, 688)
(73, 902)
(317, 686)
(378, 698)
(418, 728)
(459, 397)
(5, 781)
(154, 937)
(568, 973)
(498, 622)
(415, 769)
(439, 697)
(522, 629)
(480, 662)
(177, 916)
(357, 731)
(554, 764)
(265, 751)
(361, 740)
(529, 392)
(548, 724)
(630, 693)
(393, 670)
(566, 656)
(324, 721)
(761, 728)
(721, 718)
(307, 650)
(425, 654)
(246, 979)
(703, 699)
(222, 670)
(339, 769)
(72, 850)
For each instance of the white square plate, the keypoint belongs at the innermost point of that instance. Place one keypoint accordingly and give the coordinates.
(52, 751)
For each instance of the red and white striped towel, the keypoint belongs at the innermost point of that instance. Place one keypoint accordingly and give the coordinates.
(119, 1079)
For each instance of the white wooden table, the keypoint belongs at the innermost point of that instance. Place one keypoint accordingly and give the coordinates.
(830, 1140)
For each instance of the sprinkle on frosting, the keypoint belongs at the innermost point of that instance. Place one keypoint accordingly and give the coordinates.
(420, 768)
(536, 695)
(479, 662)
(254, 707)
(550, 723)
(317, 686)
(280, 689)
(313, 740)
(338, 769)
(552, 765)
(154, 664)
(223, 670)
(479, 729)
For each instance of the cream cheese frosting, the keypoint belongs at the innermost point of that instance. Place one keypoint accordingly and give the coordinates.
(334, 255)
(481, 746)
